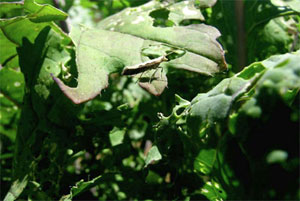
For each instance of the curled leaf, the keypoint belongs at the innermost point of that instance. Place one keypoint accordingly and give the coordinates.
(127, 39)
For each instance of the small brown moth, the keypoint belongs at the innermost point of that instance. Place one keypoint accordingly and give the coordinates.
(142, 67)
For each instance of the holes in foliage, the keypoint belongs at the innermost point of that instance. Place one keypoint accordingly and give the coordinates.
(187, 22)
(180, 110)
(160, 17)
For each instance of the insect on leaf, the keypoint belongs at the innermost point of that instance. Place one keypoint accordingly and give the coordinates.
(128, 37)
(148, 65)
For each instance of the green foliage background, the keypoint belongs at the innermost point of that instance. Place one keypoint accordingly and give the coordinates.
(230, 136)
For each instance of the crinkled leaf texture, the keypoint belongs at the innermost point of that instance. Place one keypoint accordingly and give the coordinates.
(225, 105)
(121, 39)
(280, 74)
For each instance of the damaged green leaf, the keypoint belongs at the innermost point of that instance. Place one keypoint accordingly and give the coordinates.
(123, 39)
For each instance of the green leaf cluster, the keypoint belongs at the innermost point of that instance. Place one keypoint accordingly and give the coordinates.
(191, 127)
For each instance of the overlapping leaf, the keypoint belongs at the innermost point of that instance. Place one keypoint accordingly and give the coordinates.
(37, 61)
(120, 40)
(241, 94)
(279, 72)
(15, 28)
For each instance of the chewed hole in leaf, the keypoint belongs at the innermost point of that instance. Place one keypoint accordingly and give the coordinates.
(187, 22)
(174, 54)
(180, 110)
(229, 92)
(152, 57)
(160, 17)
(71, 74)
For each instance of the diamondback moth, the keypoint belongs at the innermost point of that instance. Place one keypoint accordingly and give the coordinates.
(142, 67)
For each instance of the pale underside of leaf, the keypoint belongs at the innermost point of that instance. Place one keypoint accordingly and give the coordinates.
(122, 37)
(154, 81)
(94, 63)
(199, 39)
